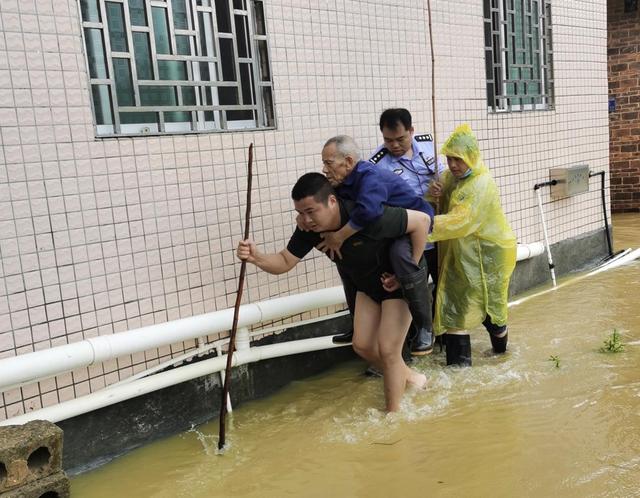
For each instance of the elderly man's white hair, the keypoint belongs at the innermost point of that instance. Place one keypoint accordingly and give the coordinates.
(346, 146)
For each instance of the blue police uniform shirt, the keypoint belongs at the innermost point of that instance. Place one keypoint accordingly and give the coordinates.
(371, 187)
(417, 171)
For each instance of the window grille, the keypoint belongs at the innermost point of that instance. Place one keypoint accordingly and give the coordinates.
(518, 54)
(177, 66)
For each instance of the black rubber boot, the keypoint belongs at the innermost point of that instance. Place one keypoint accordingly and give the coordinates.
(345, 338)
(416, 292)
(458, 350)
(499, 344)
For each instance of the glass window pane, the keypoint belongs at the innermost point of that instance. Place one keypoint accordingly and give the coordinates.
(206, 34)
(161, 30)
(239, 115)
(177, 117)
(102, 104)
(241, 36)
(265, 74)
(139, 118)
(158, 96)
(95, 53)
(267, 100)
(261, 28)
(180, 20)
(90, 10)
(142, 53)
(183, 44)
(246, 80)
(238, 4)
(188, 95)
(172, 70)
(115, 21)
(205, 72)
(227, 59)
(228, 95)
(137, 13)
(124, 85)
(223, 15)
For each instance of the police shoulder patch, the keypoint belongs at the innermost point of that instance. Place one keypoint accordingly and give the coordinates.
(379, 155)
(425, 137)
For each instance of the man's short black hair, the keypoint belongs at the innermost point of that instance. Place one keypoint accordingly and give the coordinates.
(391, 118)
(312, 184)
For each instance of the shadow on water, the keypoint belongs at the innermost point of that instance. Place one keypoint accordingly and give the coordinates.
(515, 425)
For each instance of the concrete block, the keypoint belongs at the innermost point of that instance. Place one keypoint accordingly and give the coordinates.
(28, 453)
(52, 486)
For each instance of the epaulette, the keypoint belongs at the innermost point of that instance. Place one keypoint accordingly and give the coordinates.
(379, 155)
(423, 138)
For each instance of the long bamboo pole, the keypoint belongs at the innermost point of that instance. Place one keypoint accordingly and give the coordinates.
(433, 95)
(236, 310)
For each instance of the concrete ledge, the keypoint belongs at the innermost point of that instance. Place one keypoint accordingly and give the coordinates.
(95, 438)
(568, 255)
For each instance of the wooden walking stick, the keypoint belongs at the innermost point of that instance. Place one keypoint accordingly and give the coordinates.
(236, 310)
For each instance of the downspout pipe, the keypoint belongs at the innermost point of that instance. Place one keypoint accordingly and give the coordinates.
(30, 367)
(604, 209)
(537, 188)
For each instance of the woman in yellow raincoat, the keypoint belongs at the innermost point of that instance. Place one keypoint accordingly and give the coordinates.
(478, 250)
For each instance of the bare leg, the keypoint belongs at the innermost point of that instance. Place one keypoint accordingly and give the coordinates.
(393, 324)
(365, 325)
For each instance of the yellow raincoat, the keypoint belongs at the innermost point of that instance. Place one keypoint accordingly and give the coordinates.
(477, 245)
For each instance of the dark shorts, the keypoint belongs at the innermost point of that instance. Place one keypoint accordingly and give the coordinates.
(378, 294)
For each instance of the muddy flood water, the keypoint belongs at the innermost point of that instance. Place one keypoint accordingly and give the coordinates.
(521, 425)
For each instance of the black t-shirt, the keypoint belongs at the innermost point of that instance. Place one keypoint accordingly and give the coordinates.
(364, 254)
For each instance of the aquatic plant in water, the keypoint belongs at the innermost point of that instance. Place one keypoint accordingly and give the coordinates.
(555, 359)
(613, 343)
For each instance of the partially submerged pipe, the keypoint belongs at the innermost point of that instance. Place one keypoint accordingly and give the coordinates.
(31, 367)
(112, 395)
(622, 258)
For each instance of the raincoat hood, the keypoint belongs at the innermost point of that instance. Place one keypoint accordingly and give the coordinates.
(463, 144)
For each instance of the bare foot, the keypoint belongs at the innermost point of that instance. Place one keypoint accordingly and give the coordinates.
(417, 380)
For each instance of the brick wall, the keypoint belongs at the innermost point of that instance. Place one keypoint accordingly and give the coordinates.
(624, 85)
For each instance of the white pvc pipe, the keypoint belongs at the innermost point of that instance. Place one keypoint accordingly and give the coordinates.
(625, 257)
(526, 251)
(546, 238)
(31, 367)
(621, 259)
(110, 395)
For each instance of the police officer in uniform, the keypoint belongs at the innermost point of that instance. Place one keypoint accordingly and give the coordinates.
(412, 158)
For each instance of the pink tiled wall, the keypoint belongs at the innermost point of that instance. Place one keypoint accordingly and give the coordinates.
(105, 235)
